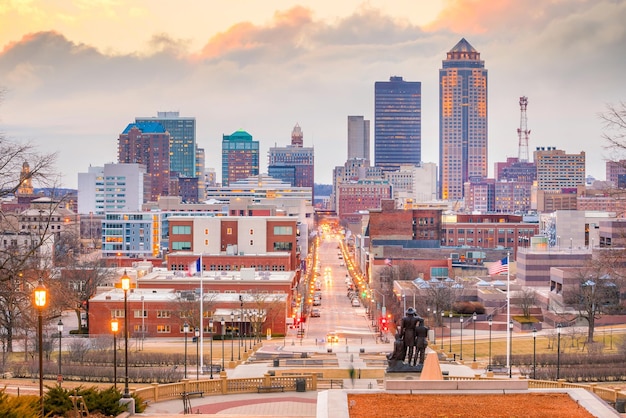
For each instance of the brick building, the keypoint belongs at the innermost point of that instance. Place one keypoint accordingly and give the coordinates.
(160, 302)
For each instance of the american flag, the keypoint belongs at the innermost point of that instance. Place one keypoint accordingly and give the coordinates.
(501, 266)
(194, 268)
(388, 261)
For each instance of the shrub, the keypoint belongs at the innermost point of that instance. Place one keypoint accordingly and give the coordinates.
(18, 407)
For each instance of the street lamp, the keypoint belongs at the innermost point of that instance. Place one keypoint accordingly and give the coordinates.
(197, 334)
(115, 326)
(489, 363)
(558, 351)
(223, 336)
(534, 353)
(511, 349)
(41, 295)
(125, 286)
(450, 332)
(60, 329)
(241, 328)
(211, 352)
(435, 319)
(442, 327)
(232, 336)
(185, 331)
(461, 322)
(474, 316)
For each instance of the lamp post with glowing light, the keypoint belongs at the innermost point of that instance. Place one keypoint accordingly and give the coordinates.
(41, 296)
(450, 350)
(474, 316)
(461, 322)
(125, 286)
(232, 336)
(511, 349)
(60, 329)
(197, 334)
(115, 326)
(211, 352)
(534, 353)
(490, 324)
(185, 331)
(558, 351)
(223, 336)
(442, 327)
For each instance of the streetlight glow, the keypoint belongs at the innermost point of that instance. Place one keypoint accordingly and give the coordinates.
(114, 328)
(60, 329)
(125, 280)
(41, 296)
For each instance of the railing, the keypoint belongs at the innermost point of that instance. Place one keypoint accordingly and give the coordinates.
(222, 386)
(607, 394)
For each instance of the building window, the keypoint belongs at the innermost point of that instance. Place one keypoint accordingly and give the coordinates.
(163, 329)
(181, 245)
(117, 313)
(181, 229)
(251, 231)
(251, 242)
(283, 246)
(229, 231)
(163, 314)
(140, 314)
(283, 230)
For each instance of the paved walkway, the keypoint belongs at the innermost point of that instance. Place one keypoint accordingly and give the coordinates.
(288, 404)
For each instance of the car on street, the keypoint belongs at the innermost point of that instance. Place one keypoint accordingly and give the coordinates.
(315, 313)
(356, 303)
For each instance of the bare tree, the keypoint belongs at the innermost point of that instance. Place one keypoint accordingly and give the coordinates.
(526, 299)
(78, 282)
(596, 292)
(614, 119)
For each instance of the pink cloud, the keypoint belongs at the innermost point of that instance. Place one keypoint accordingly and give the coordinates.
(284, 27)
(479, 16)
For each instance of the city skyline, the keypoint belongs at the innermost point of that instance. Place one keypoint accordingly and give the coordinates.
(75, 75)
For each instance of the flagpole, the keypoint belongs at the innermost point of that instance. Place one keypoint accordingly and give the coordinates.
(201, 319)
(508, 312)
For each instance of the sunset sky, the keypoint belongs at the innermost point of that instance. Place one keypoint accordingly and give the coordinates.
(75, 73)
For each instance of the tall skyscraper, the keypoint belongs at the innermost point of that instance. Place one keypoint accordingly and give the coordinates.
(182, 132)
(148, 143)
(358, 138)
(240, 157)
(462, 120)
(293, 164)
(397, 123)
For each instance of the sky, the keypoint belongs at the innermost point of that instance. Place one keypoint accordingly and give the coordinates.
(75, 73)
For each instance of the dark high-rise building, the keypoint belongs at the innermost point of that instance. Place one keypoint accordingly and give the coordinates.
(240, 157)
(147, 143)
(293, 164)
(462, 120)
(182, 132)
(397, 123)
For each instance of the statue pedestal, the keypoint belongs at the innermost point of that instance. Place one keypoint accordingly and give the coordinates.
(397, 366)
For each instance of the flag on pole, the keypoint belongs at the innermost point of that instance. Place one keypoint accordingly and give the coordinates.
(501, 266)
(194, 267)
(388, 262)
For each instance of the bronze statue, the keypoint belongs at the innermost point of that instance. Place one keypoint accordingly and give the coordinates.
(407, 330)
(421, 342)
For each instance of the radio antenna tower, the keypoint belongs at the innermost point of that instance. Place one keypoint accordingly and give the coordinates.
(523, 132)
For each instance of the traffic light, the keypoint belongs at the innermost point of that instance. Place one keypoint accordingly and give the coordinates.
(363, 294)
(384, 325)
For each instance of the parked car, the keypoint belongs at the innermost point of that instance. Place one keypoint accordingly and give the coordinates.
(315, 313)
(356, 303)
(317, 302)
